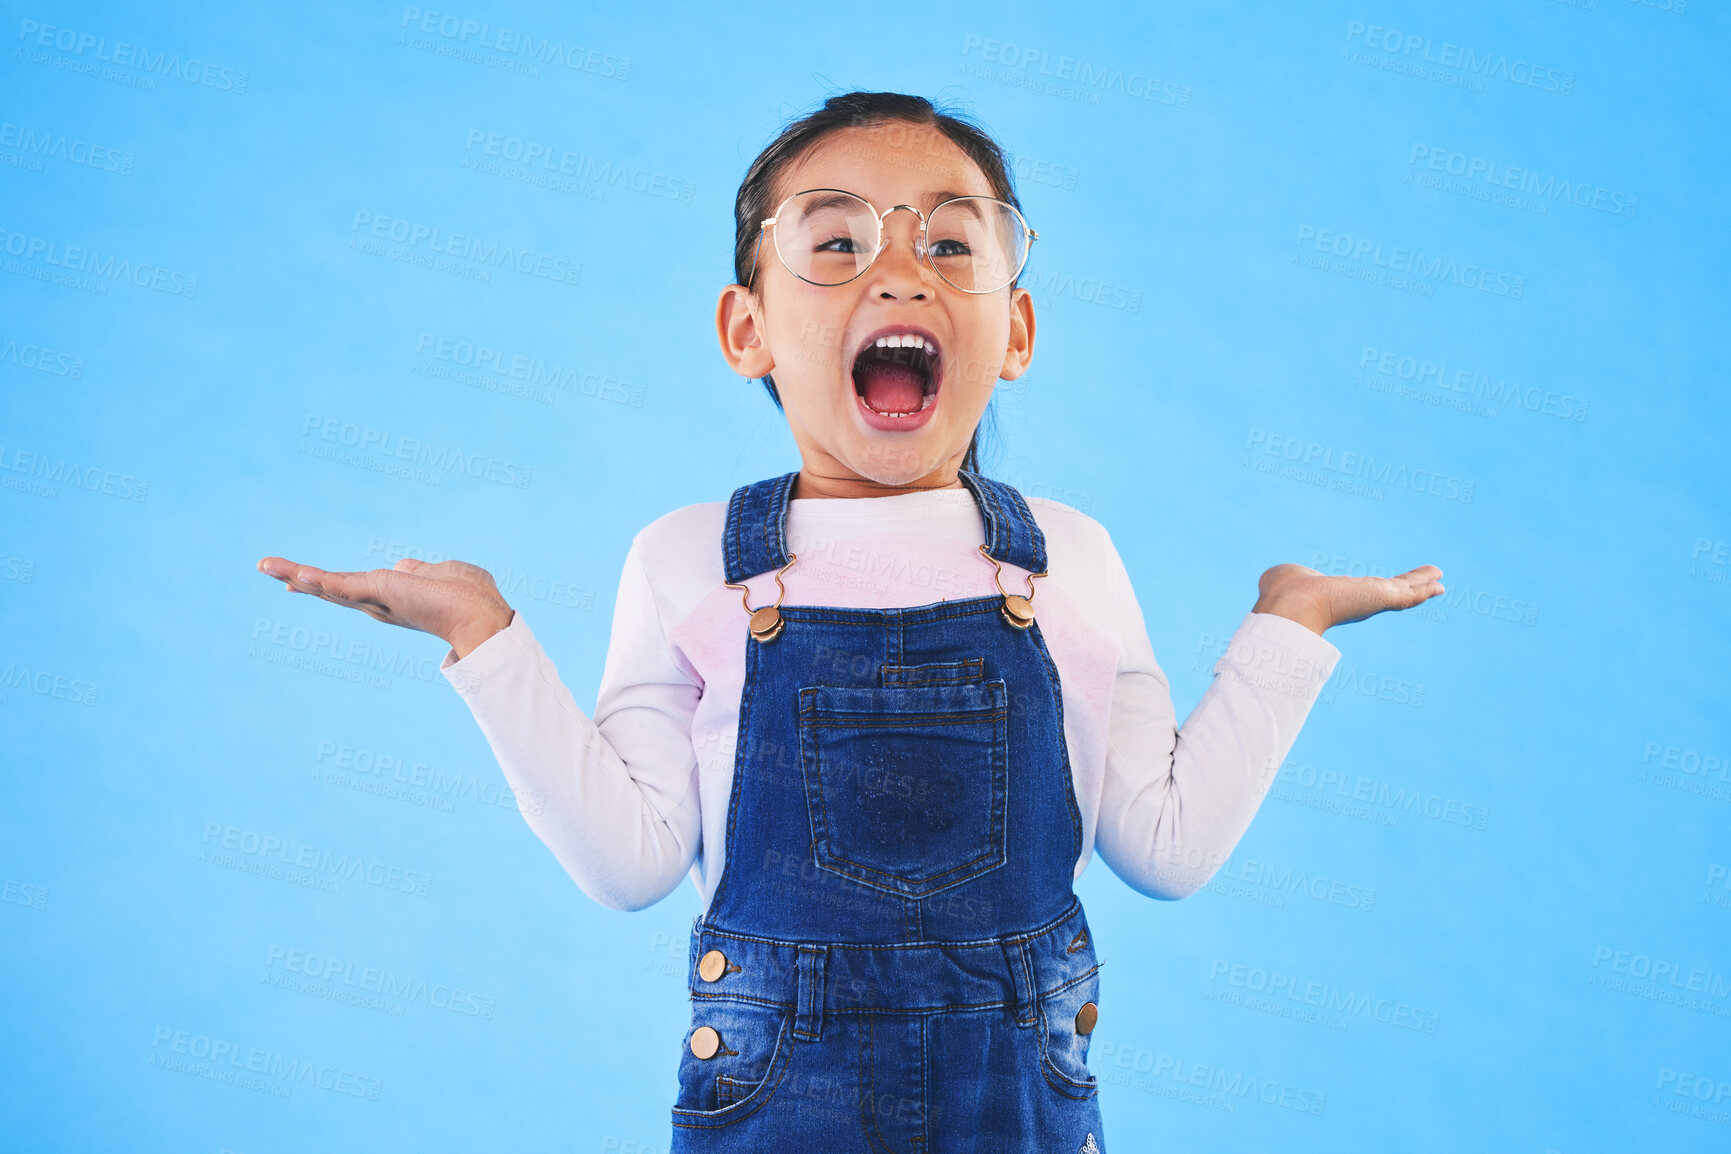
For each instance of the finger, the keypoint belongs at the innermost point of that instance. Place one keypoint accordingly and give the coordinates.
(1422, 584)
(366, 591)
(1422, 573)
(303, 578)
(1402, 592)
(1355, 598)
(279, 567)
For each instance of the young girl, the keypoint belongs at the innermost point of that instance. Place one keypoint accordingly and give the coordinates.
(881, 709)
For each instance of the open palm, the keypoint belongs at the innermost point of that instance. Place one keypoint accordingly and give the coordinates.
(450, 599)
(1321, 601)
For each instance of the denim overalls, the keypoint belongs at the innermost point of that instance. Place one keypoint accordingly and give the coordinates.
(893, 959)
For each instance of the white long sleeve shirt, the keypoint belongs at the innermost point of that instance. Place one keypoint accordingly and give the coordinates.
(636, 797)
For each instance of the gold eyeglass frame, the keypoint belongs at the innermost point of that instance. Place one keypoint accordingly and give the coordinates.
(922, 250)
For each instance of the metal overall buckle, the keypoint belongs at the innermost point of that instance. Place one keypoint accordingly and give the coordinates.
(1017, 609)
(765, 621)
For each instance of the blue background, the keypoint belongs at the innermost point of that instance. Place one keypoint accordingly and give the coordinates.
(1559, 717)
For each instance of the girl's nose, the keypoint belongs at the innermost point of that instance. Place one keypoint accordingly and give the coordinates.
(900, 269)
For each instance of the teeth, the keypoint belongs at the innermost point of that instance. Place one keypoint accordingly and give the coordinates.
(905, 341)
(925, 403)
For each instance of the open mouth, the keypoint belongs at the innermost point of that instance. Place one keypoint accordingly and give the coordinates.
(895, 376)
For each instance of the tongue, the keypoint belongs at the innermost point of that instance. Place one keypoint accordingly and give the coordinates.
(891, 388)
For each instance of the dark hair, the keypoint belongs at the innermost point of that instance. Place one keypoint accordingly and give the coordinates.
(858, 110)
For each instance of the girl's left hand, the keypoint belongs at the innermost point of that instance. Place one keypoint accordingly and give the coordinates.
(1319, 602)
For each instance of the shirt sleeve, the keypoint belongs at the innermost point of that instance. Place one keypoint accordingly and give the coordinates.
(614, 797)
(1175, 801)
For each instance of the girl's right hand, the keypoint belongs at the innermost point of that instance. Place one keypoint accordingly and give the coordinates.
(451, 599)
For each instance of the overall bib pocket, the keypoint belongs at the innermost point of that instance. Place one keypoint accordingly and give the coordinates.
(734, 1057)
(1064, 1039)
(906, 784)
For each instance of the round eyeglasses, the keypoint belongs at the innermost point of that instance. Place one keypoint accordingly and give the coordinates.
(825, 236)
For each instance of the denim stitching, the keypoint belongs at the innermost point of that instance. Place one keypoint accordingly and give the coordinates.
(778, 1063)
(824, 855)
(777, 517)
(1063, 747)
(1071, 911)
(964, 671)
(738, 770)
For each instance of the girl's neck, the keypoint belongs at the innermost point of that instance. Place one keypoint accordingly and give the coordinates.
(809, 485)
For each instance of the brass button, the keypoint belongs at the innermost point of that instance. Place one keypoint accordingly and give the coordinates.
(705, 1042)
(1017, 610)
(712, 965)
(766, 623)
(1086, 1017)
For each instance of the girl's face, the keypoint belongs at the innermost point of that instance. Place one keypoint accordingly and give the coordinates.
(842, 392)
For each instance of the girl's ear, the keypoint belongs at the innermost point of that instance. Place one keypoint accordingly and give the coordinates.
(739, 327)
(1019, 353)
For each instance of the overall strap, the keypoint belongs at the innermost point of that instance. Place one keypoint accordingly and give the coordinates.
(1012, 536)
(755, 540)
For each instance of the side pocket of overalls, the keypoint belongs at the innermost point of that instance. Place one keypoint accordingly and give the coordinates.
(1063, 1047)
(745, 1069)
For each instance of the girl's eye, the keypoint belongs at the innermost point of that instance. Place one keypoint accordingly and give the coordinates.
(836, 244)
(943, 248)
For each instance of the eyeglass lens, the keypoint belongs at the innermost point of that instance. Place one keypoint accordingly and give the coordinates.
(826, 237)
